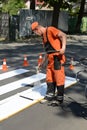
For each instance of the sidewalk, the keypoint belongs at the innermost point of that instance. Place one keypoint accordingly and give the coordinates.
(77, 37)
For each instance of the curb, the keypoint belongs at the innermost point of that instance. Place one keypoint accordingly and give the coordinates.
(77, 37)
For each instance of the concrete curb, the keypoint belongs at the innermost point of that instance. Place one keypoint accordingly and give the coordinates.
(77, 37)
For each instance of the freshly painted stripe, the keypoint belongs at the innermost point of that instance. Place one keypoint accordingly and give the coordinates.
(13, 106)
(42, 89)
(69, 81)
(30, 90)
(21, 83)
(22, 100)
(36, 93)
(17, 103)
(12, 73)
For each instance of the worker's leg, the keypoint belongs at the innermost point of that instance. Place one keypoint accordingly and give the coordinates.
(60, 82)
(51, 85)
(60, 94)
(50, 94)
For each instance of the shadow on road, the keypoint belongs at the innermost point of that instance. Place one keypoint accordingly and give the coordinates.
(78, 110)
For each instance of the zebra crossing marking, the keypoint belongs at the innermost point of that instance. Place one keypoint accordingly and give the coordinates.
(21, 83)
(22, 100)
(40, 91)
(12, 73)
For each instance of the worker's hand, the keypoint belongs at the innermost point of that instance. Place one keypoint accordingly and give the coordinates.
(62, 51)
(40, 66)
(38, 69)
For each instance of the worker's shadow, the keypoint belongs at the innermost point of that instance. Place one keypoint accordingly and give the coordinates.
(77, 109)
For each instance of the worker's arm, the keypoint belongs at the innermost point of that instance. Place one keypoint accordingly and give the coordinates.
(44, 62)
(62, 36)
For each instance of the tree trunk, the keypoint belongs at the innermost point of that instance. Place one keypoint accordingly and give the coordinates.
(81, 12)
(56, 11)
(32, 4)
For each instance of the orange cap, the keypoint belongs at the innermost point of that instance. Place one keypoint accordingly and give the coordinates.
(34, 25)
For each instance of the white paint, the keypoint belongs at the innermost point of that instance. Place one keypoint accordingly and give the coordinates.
(21, 83)
(16, 103)
(12, 73)
(35, 93)
(40, 91)
(69, 81)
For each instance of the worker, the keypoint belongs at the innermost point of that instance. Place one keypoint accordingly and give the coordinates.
(54, 42)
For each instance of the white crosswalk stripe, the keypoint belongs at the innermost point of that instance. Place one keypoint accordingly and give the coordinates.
(20, 83)
(19, 101)
(8, 106)
(12, 73)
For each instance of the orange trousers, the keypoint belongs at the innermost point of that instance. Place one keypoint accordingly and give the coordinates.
(53, 75)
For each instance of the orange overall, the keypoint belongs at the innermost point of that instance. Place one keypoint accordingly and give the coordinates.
(51, 44)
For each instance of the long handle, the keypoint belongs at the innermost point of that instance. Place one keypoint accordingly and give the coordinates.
(53, 51)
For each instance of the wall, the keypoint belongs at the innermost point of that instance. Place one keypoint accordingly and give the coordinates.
(4, 25)
(44, 17)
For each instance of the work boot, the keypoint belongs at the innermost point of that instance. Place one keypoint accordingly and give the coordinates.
(60, 96)
(60, 93)
(50, 94)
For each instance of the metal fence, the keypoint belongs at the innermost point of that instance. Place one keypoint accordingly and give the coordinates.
(4, 25)
(44, 17)
(17, 26)
(9, 26)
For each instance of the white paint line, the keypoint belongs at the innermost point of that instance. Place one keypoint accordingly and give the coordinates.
(12, 73)
(13, 106)
(69, 81)
(39, 92)
(21, 93)
(36, 92)
(21, 83)
(17, 103)
(21, 100)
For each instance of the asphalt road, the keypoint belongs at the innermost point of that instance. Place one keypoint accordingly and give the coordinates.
(73, 115)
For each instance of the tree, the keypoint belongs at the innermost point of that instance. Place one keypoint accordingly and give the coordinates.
(58, 5)
(32, 4)
(13, 6)
(81, 11)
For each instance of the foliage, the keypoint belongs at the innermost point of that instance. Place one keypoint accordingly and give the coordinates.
(51, 2)
(13, 6)
(67, 5)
